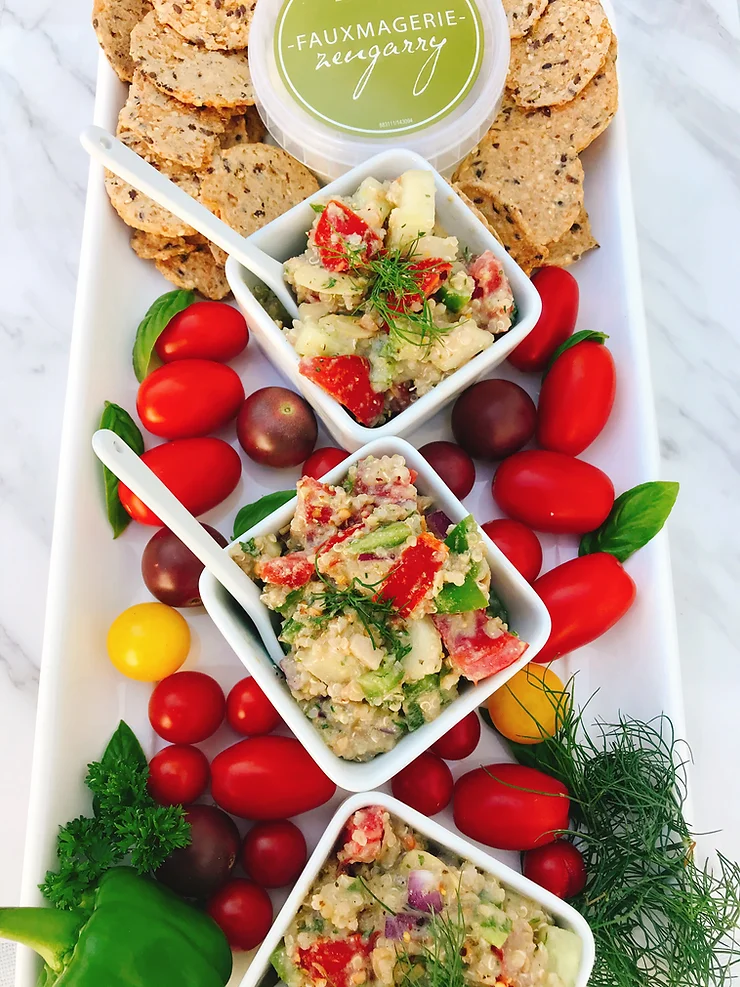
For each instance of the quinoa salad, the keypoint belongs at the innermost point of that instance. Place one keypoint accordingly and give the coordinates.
(389, 907)
(384, 603)
(390, 305)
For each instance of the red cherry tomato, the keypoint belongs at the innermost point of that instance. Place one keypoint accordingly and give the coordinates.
(274, 853)
(322, 461)
(577, 398)
(460, 741)
(177, 775)
(187, 707)
(268, 778)
(189, 398)
(510, 806)
(557, 867)
(201, 473)
(203, 331)
(426, 784)
(453, 466)
(249, 711)
(549, 491)
(584, 597)
(559, 293)
(520, 545)
(243, 911)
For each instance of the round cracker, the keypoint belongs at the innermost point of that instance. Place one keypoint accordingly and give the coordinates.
(169, 129)
(196, 270)
(216, 24)
(249, 185)
(189, 72)
(573, 244)
(507, 223)
(537, 177)
(522, 14)
(140, 212)
(113, 21)
(563, 52)
(578, 122)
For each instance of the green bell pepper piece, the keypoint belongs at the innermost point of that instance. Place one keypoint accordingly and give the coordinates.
(457, 540)
(387, 537)
(137, 933)
(378, 685)
(455, 301)
(462, 599)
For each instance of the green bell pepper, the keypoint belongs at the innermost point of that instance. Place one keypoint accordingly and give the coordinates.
(457, 540)
(454, 299)
(387, 537)
(135, 933)
(378, 685)
(469, 596)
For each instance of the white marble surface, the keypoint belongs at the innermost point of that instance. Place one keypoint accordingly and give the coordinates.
(681, 70)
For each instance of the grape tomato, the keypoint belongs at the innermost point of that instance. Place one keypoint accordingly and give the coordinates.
(203, 331)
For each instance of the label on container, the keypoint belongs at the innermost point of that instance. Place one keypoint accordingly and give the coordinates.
(379, 68)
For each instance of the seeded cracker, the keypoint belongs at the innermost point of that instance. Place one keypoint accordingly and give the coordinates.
(249, 185)
(522, 14)
(113, 21)
(539, 179)
(219, 255)
(166, 128)
(142, 213)
(578, 122)
(563, 52)
(190, 72)
(244, 128)
(213, 23)
(476, 212)
(508, 225)
(150, 246)
(573, 244)
(197, 271)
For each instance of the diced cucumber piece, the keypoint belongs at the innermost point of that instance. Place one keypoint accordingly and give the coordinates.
(425, 657)
(388, 536)
(563, 954)
(414, 214)
(282, 966)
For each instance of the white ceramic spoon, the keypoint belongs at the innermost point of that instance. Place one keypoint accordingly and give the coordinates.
(121, 460)
(125, 163)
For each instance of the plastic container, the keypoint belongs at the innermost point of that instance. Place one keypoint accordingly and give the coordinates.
(565, 916)
(285, 237)
(529, 618)
(339, 83)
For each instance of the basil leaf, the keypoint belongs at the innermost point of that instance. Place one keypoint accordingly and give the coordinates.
(584, 336)
(636, 517)
(317, 207)
(124, 747)
(119, 421)
(254, 513)
(153, 325)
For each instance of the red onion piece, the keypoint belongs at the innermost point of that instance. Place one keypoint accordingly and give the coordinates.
(396, 925)
(438, 523)
(423, 893)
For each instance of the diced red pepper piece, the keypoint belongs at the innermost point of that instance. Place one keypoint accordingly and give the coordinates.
(346, 378)
(412, 576)
(488, 274)
(292, 570)
(336, 226)
(477, 644)
(362, 840)
(429, 274)
(333, 961)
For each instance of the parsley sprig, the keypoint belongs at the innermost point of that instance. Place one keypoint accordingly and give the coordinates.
(126, 823)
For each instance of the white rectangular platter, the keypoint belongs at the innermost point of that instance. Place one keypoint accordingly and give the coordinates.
(92, 578)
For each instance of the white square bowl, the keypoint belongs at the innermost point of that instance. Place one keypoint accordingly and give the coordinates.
(565, 916)
(528, 615)
(285, 237)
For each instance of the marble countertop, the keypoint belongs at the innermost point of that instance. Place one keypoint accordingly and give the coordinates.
(681, 75)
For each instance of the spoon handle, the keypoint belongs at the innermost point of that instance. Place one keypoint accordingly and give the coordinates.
(121, 460)
(125, 163)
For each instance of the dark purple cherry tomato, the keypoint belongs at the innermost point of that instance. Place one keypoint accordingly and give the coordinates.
(170, 570)
(277, 427)
(493, 419)
(452, 465)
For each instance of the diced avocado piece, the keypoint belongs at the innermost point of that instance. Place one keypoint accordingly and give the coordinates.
(563, 954)
(455, 301)
(282, 966)
(462, 599)
(378, 685)
(457, 540)
(386, 537)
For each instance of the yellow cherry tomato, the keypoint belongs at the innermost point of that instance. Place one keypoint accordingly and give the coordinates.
(530, 706)
(148, 641)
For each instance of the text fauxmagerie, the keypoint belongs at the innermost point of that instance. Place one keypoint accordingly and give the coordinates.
(402, 36)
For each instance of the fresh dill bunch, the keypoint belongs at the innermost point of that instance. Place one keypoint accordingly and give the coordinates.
(659, 917)
(126, 823)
